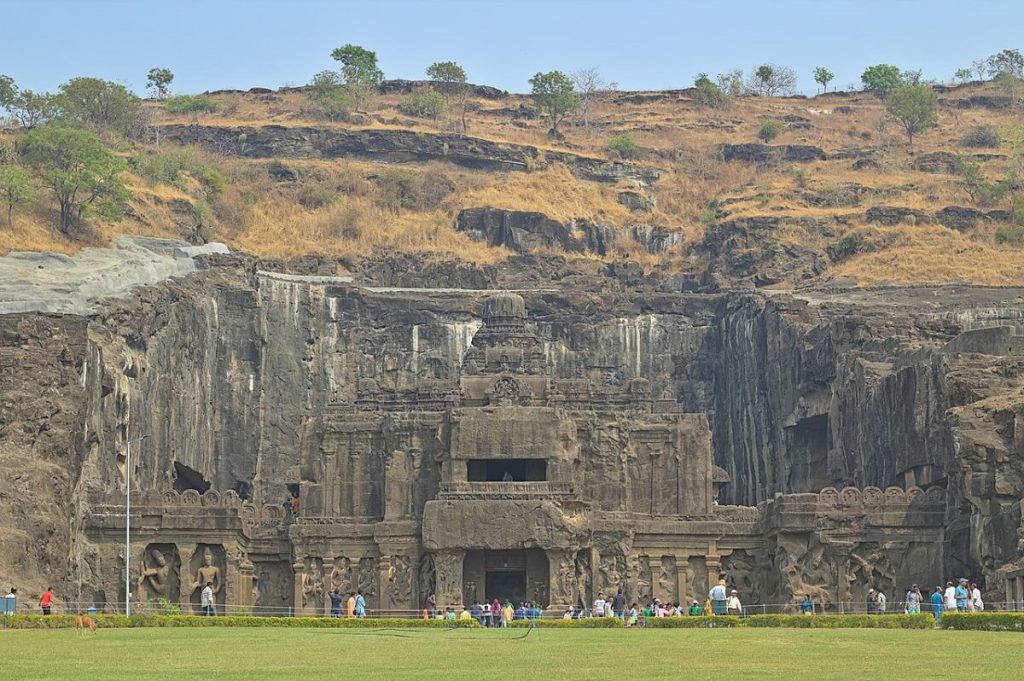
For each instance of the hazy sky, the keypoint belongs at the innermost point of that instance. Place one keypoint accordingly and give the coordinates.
(639, 44)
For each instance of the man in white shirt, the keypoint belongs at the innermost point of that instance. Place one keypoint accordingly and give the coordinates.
(599, 605)
(950, 597)
(880, 602)
(206, 599)
(976, 601)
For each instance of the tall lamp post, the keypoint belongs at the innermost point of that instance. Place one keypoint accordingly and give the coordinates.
(128, 527)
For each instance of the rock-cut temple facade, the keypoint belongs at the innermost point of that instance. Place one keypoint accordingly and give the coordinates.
(473, 451)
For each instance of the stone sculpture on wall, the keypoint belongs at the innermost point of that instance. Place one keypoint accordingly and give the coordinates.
(368, 579)
(341, 575)
(206, 567)
(158, 576)
(667, 579)
(398, 591)
(584, 596)
(313, 585)
(427, 576)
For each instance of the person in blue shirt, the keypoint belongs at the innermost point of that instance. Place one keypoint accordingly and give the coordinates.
(807, 605)
(360, 604)
(962, 594)
(937, 603)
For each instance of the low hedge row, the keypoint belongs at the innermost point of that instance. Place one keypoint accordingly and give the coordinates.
(719, 622)
(983, 621)
(922, 621)
(148, 620)
(585, 623)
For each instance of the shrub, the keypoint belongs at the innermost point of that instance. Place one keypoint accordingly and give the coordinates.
(106, 621)
(769, 130)
(719, 622)
(921, 621)
(1009, 234)
(172, 164)
(624, 146)
(190, 104)
(983, 136)
(847, 246)
(709, 95)
(585, 623)
(423, 104)
(404, 189)
(983, 621)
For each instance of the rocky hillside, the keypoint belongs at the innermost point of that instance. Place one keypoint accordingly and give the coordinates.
(653, 179)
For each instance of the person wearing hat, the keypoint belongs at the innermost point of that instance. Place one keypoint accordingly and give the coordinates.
(694, 609)
(949, 597)
(871, 603)
(733, 605)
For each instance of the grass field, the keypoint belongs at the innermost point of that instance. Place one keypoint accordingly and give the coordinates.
(242, 653)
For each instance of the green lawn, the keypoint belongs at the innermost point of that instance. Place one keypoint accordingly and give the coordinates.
(293, 654)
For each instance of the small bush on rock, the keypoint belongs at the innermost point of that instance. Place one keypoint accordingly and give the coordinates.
(190, 104)
(624, 146)
(981, 136)
(423, 104)
(769, 130)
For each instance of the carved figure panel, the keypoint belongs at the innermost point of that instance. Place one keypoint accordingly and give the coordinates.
(612, 573)
(398, 590)
(667, 580)
(584, 588)
(159, 574)
(273, 586)
(427, 576)
(208, 564)
(313, 585)
(341, 575)
(368, 580)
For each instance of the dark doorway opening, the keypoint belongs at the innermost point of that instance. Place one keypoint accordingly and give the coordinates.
(505, 585)
(501, 470)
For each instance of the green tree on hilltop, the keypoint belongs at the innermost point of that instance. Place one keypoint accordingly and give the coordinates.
(555, 94)
(881, 79)
(98, 104)
(360, 71)
(915, 107)
(822, 76)
(80, 171)
(159, 81)
(963, 76)
(8, 91)
(450, 80)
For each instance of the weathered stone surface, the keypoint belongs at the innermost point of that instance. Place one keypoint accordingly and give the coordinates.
(278, 141)
(383, 408)
(894, 215)
(636, 201)
(936, 162)
(764, 153)
(960, 218)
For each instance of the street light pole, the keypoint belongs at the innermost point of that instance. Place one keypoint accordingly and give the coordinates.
(128, 527)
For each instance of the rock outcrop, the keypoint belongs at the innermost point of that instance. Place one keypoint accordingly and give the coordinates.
(764, 153)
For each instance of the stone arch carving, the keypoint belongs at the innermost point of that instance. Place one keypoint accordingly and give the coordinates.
(850, 496)
(272, 512)
(895, 495)
(913, 493)
(935, 495)
(230, 498)
(872, 496)
(829, 496)
(190, 497)
(248, 511)
(211, 498)
(171, 498)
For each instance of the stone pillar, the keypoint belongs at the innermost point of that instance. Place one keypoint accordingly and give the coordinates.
(185, 578)
(682, 580)
(448, 571)
(595, 575)
(299, 571)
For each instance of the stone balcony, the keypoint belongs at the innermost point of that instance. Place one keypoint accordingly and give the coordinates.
(544, 490)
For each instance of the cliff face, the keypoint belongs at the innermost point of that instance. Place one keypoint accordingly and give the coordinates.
(230, 372)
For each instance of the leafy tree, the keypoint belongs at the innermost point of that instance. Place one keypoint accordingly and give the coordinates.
(159, 81)
(98, 104)
(770, 80)
(15, 189)
(450, 80)
(708, 94)
(963, 76)
(731, 82)
(822, 76)
(881, 79)
(8, 91)
(915, 107)
(32, 108)
(81, 172)
(983, 191)
(1009, 62)
(328, 93)
(555, 94)
(769, 130)
(588, 82)
(359, 70)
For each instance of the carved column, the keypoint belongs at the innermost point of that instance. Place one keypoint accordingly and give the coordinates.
(185, 578)
(682, 577)
(299, 571)
(595, 574)
(561, 579)
(448, 570)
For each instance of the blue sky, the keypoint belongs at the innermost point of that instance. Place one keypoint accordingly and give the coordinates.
(639, 44)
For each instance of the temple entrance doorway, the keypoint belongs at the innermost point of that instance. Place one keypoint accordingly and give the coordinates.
(505, 585)
(515, 575)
